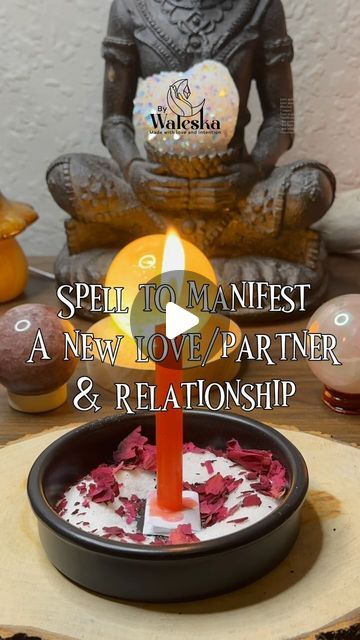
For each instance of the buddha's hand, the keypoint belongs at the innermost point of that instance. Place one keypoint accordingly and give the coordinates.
(158, 191)
(211, 195)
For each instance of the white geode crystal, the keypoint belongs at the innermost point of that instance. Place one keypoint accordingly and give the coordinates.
(204, 93)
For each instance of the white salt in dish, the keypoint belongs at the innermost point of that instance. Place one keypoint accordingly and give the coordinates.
(96, 518)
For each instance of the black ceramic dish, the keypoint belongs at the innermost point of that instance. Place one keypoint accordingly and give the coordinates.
(162, 574)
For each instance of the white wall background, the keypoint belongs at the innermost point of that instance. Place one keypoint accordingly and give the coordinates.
(51, 86)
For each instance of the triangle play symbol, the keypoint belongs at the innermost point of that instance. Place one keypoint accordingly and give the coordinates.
(178, 320)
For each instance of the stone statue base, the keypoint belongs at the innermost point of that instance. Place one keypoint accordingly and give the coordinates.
(91, 267)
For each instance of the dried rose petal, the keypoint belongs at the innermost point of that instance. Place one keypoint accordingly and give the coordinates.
(251, 475)
(113, 531)
(277, 476)
(208, 507)
(134, 451)
(148, 458)
(251, 501)
(136, 537)
(233, 484)
(252, 459)
(190, 447)
(215, 485)
(127, 449)
(104, 487)
(182, 535)
(81, 487)
(275, 483)
(233, 509)
(219, 453)
(61, 506)
(213, 495)
(130, 508)
(208, 466)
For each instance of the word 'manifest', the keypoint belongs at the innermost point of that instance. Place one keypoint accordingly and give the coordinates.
(244, 295)
(246, 395)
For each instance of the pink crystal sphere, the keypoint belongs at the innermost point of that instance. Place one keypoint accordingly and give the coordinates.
(18, 330)
(341, 318)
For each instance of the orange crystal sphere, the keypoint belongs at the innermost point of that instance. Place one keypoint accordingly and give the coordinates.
(141, 261)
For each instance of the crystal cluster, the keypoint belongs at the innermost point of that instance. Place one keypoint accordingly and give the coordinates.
(190, 113)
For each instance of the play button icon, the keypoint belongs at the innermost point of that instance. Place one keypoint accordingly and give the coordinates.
(173, 304)
(178, 320)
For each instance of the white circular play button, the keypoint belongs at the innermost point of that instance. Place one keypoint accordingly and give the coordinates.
(179, 315)
(178, 320)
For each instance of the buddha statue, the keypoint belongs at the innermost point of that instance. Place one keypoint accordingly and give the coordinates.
(251, 216)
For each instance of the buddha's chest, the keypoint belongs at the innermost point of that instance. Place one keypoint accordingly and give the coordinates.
(175, 34)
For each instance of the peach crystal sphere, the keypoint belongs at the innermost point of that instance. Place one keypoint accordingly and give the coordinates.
(341, 318)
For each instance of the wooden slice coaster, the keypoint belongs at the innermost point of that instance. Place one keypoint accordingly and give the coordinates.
(316, 587)
(14, 633)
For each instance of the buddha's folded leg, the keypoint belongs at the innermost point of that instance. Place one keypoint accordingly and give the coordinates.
(292, 197)
(93, 191)
(301, 246)
(276, 215)
(89, 187)
(309, 193)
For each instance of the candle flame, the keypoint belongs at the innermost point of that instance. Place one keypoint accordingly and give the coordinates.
(173, 262)
(174, 254)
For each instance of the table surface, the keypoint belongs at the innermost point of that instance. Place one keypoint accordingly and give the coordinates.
(306, 411)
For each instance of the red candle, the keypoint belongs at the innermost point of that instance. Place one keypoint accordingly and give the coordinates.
(169, 428)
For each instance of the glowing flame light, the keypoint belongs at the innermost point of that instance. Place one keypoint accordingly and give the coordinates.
(173, 262)
(174, 254)
(156, 258)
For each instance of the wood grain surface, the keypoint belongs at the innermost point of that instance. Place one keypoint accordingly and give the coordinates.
(347, 628)
(30, 634)
(314, 588)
